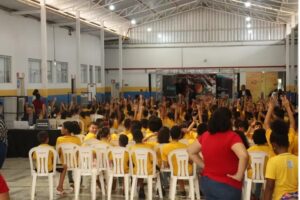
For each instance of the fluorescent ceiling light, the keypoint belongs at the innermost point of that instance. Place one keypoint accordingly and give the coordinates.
(248, 4)
(149, 29)
(133, 21)
(112, 7)
(248, 19)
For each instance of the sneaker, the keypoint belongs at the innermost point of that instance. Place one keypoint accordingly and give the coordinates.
(142, 194)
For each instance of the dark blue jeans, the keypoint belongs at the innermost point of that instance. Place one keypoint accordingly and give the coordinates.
(214, 190)
(3, 150)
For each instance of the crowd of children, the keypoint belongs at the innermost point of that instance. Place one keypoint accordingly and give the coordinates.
(267, 125)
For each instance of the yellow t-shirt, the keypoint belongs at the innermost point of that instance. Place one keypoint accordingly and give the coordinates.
(167, 148)
(50, 158)
(90, 136)
(283, 168)
(128, 134)
(295, 149)
(291, 135)
(126, 160)
(259, 148)
(168, 123)
(87, 121)
(153, 140)
(150, 159)
(67, 139)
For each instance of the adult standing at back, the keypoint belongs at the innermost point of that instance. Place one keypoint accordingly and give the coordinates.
(39, 106)
(225, 158)
(244, 92)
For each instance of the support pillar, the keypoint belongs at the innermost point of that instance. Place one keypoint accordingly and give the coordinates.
(120, 65)
(287, 57)
(102, 57)
(78, 46)
(44, 66)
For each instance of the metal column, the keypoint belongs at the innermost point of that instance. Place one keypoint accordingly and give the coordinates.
(120, 64)
(287, 58)
(102, 61)
(44, 48)
(78, 46)
(292, 61)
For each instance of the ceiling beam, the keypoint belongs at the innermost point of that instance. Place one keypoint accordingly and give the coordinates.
(26, 12)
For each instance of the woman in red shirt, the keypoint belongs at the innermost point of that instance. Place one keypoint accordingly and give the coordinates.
(4, 195)
(225, 158)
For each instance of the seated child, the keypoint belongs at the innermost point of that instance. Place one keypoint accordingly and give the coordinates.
(93, 128)
(43, 138)
(282, 169)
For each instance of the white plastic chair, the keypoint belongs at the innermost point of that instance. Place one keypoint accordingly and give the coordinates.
(81, 137)
(101, 163)
(68, 152)
(258, 170)
(117, 169)
(130, 143)
(141, 156)
(85, 168)
(90, 142)
(41, 167)
(182, 160)
(184, 141)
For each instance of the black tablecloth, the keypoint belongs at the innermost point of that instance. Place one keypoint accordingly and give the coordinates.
(21, 141)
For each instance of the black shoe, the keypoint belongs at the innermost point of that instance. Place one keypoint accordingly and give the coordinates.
(142, 194)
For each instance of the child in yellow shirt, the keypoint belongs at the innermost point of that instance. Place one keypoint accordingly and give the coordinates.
(103, 136)
(93, 129)
(173, 145)
(282, 169)
(138, 138)
(43, 138)
(69, 129)
(127, 132)
(261, 145)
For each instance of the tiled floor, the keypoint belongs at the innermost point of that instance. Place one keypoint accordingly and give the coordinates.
(17, 174)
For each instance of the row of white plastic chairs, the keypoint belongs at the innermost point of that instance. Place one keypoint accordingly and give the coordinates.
(81, 161)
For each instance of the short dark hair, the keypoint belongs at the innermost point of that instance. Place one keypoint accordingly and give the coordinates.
(42, 137)
(135, 124)
(175, 132)
(155, 124)
(241, 124)
(137, 136)
(127, 123)
(123, 140)
(103, 133)
(72, 127)
(201, 128)
(220, 121)
(144, 123)
(259, 136)
(279, 134)
(171, 115)
(145, 113)
(163, 135)
(278, 112)
(244, 138)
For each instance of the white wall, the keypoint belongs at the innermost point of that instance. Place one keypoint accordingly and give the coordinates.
(20, 39)
(255, 56)
(218, 56)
